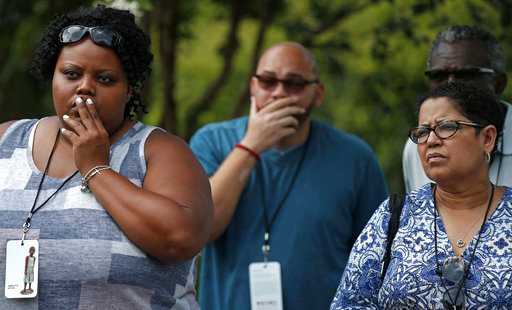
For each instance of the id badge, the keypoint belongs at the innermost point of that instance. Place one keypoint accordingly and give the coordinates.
(265, 286)
(21, 266)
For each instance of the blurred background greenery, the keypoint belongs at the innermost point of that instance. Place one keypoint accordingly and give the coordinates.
(372, 55)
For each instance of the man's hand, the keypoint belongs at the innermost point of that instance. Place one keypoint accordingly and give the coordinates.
(271, 124)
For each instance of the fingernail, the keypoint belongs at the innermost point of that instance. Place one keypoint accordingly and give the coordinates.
(89, 100)
(79, 100)
(65, 116)
(63, 130)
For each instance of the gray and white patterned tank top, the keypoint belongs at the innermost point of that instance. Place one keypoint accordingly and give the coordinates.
(85, 260)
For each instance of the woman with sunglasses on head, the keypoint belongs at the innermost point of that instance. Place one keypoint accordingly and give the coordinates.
(119, 210)
(453, 247)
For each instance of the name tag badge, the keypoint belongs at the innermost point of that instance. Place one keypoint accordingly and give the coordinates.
(265, 286)
(21, 266)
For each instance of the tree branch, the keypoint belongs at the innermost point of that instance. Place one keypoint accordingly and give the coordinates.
(229, 49)
(266, 17)
(326, 24)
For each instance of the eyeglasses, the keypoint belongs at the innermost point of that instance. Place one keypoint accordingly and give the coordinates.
(443, 130)
(99, 35)
(453, 271)
(468, 74)
(291, 85)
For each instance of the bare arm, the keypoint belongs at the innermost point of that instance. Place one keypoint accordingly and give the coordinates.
(227, 184)
(4, 127)
(170, 217)
(265, 129)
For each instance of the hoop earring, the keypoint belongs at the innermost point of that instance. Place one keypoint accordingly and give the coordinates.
(487, 157)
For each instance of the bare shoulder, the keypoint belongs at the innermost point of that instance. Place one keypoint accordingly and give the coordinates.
(165, 150)
(159, 141)
(173, 169)
(5, 126)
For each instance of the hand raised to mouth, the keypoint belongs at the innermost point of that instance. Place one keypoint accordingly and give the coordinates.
(272, 123)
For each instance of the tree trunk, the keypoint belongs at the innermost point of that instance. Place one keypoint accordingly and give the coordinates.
(265, 19)
(229, 49)
(168, 24)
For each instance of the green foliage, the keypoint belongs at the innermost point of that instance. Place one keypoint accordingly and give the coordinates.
(21, 25)
(372, 55)
(373, 60)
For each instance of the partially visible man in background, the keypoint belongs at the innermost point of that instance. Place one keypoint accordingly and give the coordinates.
(471, 54)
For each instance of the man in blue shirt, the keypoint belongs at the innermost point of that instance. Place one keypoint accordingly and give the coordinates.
(297, 188)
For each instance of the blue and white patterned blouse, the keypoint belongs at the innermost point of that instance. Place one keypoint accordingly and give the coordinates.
(411, 281)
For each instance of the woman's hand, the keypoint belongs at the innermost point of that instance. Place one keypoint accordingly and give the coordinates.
(90, 139)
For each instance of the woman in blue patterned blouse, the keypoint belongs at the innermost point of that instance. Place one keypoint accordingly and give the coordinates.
(453, 248)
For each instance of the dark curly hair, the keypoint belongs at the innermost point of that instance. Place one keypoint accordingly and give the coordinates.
(133, 52)
(477, 105)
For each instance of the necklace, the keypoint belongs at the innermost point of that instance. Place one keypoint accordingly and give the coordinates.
(461, 243)
(466, 272)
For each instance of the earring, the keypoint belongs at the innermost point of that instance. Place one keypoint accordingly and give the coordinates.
(487, 157)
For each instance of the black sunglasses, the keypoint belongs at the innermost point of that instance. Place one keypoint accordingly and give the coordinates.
(453, 271)
(291, 85)
(99, 35)
(468, 74)
(443, 130)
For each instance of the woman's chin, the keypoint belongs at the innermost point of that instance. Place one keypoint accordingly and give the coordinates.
(436, 175)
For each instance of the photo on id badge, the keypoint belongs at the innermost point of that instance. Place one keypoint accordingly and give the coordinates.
(21, 266)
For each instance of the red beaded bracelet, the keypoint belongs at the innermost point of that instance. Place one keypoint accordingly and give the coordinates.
(253, 153)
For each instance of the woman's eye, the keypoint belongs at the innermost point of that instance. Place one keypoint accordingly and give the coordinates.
(447, 127)
(105, 79)
(70, 73)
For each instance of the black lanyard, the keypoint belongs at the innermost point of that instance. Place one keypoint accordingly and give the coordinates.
(33, 210)
(265, 248)
(466, 271)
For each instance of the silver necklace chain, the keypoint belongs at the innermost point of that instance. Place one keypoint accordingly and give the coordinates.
(461, 243)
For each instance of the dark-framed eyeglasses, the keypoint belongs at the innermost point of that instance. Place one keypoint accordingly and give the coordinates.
(453, 271)
(468, 74)
(291, 85)
(443, 130)
(100, 35)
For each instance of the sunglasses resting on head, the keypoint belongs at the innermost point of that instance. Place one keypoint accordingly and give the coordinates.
(100, 35)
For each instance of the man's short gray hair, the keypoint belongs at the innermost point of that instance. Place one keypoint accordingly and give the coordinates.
(457, 33)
